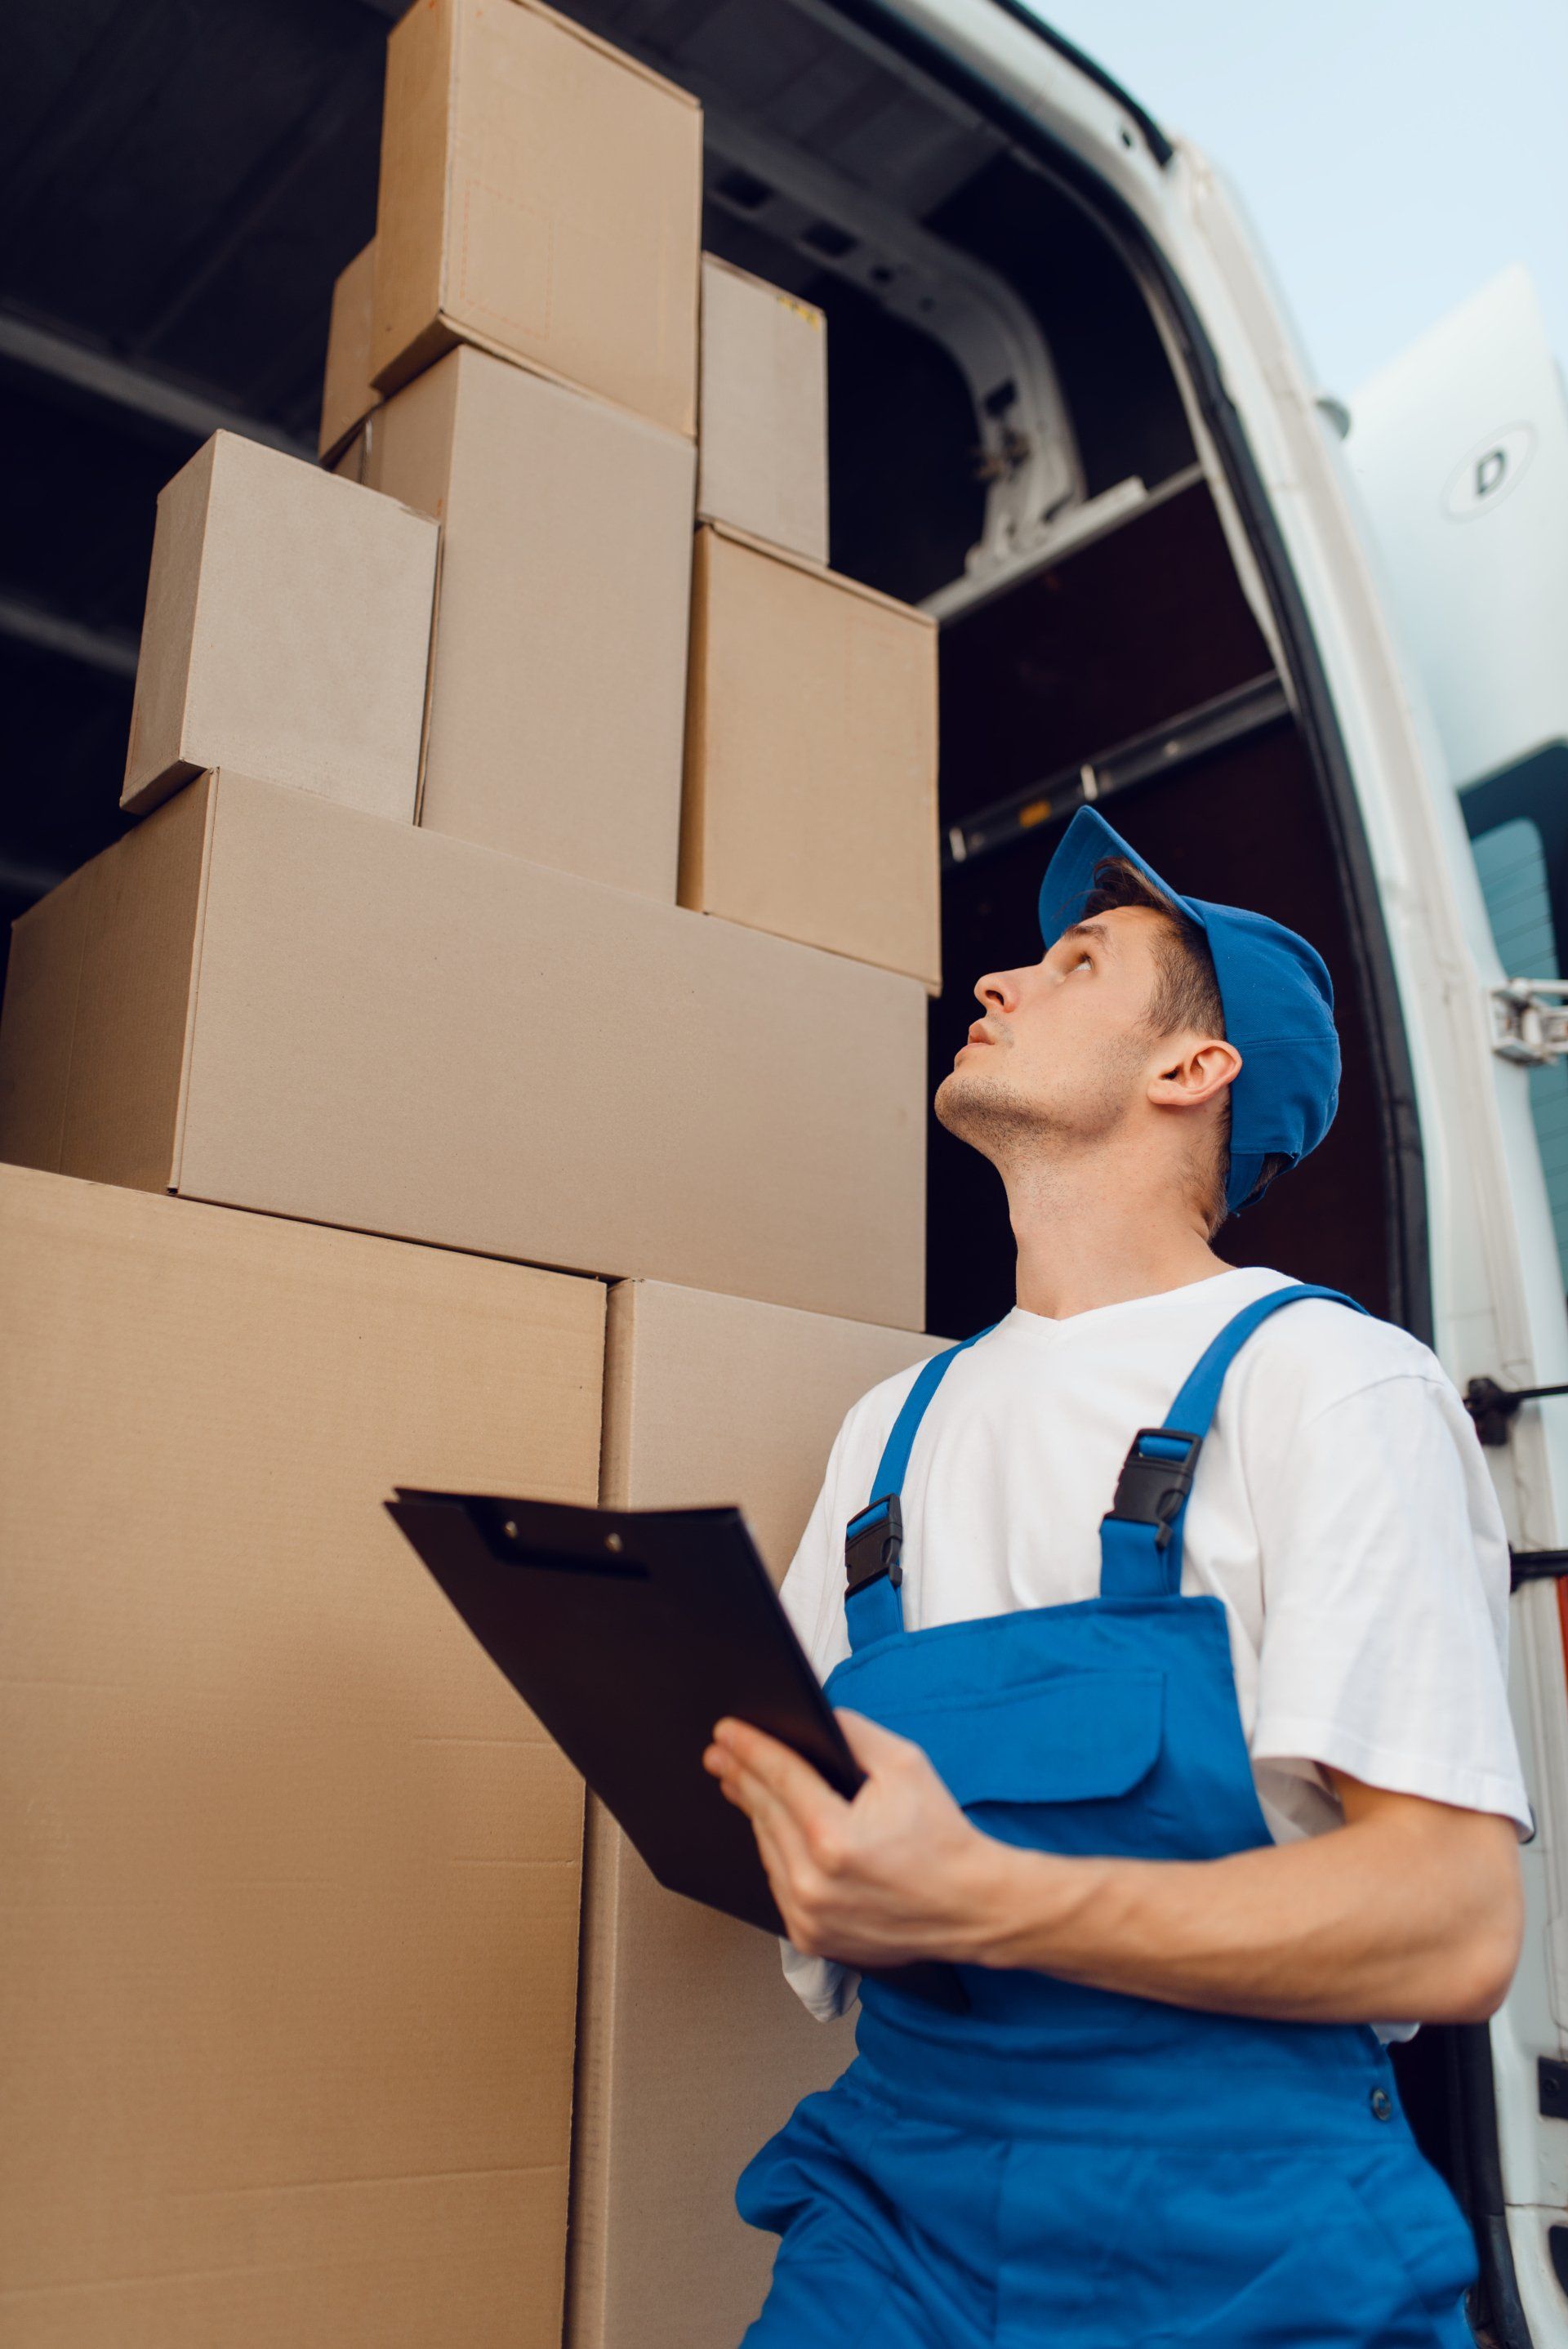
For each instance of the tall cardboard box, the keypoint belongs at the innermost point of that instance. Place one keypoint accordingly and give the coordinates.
(287, 633)
(692, 2046)
(262, 1000)
(347, 394)
(291, 1876)
(811, 776)
(763, 416)
(540, 195)
(558, 684)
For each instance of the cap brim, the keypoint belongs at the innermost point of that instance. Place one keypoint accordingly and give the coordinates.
(1069, 876)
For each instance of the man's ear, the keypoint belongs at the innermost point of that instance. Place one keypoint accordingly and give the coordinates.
(1198, 1072)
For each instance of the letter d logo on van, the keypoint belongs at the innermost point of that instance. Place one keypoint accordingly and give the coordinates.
(1484, 478)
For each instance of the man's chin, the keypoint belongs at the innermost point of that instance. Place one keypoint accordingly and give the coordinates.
(964, 1103)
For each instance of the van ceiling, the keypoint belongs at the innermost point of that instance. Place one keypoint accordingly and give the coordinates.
(799, 74)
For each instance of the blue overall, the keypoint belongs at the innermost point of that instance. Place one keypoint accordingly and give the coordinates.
(1054, 2164)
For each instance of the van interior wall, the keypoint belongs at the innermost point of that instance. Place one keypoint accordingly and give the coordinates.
(1242, 826)
(1119, 638)
(1126, 409)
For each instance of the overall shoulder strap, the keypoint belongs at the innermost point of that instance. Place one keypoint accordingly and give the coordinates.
(873, 1539)
(1140, 1538)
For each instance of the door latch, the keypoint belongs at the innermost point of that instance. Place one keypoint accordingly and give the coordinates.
(1492, 1406)
(1539, 1565)
(1530, 1021)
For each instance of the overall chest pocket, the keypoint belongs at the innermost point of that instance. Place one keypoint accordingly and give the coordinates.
(1075, 1737)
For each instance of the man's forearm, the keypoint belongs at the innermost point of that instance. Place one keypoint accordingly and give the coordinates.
(1412, 1910)
(1308, 1932)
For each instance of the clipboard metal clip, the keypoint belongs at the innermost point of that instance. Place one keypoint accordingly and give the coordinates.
(873, 1543)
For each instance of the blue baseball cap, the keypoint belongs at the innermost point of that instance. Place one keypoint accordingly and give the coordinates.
(1277, 995)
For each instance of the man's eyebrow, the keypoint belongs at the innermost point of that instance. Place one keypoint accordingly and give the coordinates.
(1096, 930)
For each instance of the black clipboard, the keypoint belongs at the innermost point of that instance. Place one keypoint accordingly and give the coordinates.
(628, 1633)
(619, 1629)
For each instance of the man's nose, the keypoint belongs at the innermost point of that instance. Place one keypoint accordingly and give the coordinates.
(998, 991)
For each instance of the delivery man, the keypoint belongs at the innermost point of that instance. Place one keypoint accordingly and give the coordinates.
(1126, 1601)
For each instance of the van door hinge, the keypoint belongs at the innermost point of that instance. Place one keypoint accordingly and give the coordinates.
(1492, 1407)
(1530, 1021)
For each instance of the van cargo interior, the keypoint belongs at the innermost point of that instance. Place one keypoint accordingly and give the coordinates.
(1009, 444)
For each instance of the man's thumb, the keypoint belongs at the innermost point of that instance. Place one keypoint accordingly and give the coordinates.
(867, 1740)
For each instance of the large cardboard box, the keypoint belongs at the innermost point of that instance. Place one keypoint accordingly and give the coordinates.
(262, 1000)
(540, 195)
(347, 394)
(287, 633)
(763, 417)
(811, 776)
(692, 2046)
(291, 1878)
(558, 683)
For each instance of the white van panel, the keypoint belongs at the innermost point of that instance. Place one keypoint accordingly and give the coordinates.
(1461, 447)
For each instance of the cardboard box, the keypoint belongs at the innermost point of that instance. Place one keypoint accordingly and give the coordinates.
(291, 1875)
(262, 1000)
(347, 394)
(540, 195)
(811, 777)
(287, 633)
(762, 437)
(558, 678)
(692, 2047)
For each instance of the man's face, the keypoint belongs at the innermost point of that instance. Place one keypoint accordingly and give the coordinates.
(1062, 1049)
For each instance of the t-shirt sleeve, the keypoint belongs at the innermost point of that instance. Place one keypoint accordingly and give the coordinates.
(1386, 1582)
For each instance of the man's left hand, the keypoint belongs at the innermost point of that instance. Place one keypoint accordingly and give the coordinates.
(896, 1875)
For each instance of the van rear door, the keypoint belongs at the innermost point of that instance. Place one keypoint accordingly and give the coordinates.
(1301, 542)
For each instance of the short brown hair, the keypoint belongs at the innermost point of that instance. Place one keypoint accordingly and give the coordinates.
(1186, 994)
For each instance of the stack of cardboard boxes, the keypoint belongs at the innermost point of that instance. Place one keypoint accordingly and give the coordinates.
(511, 885)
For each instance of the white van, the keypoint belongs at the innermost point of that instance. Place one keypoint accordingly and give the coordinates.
(1068, 415)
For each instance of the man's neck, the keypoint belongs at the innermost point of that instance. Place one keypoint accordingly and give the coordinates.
(1087, 1237)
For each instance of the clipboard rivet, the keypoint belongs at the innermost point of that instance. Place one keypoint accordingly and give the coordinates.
(614, 1541)
(510, 1529)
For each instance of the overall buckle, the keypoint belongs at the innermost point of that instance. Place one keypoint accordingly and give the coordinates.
(1151, 1489)
(873, 1543)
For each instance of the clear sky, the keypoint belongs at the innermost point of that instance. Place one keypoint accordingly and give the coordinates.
(1393, 154)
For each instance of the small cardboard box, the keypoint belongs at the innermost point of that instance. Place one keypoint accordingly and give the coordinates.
(287, 633)
(293, 1876)
(557, 677)
(261, 998)
(811, 776)
(692, 2046)
(762, 433)
(540, 195)
(347, 394)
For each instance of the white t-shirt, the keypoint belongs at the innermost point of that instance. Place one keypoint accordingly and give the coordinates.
(1342, 1512)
